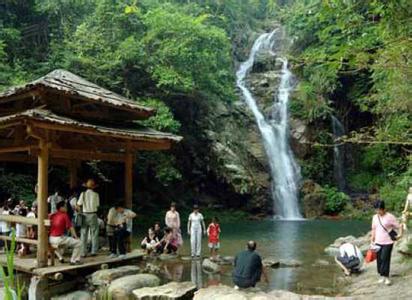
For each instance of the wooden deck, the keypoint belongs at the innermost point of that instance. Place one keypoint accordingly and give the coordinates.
(28, 264)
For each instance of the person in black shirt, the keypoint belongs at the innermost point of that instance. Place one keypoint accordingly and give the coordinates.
(248, 267)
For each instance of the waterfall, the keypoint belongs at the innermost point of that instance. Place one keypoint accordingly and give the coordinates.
(338, 154)
(275, 131)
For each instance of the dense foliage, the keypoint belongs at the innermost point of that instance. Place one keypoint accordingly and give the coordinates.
(354, 59)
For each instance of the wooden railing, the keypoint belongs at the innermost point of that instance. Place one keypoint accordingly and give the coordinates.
(21, 220)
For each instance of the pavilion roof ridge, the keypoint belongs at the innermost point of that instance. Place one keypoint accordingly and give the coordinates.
(66, 82)
(44, 115)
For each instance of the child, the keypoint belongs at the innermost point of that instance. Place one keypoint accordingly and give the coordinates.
(213, 231)
(21, 232)
(169, 243)
(150, 243)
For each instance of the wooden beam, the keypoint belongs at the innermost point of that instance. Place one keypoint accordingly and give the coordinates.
(128, 179)
(30, 159)
(15, 149)
(92, 131)
(22, 220)
(73, 174)
(85, 155)
(42, 181)
(19, 240)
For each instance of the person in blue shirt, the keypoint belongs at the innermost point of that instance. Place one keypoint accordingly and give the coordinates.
(248, 267)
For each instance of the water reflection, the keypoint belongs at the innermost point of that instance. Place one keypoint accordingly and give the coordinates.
(285, 236)
(174, 272)
(196, 273)
(298, 240)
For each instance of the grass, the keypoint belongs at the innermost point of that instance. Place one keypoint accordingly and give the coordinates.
(12, 288)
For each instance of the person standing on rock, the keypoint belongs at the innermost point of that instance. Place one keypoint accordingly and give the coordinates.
(384, 236)
(172, 220)
(89, 202)
(248, 267)
(195, 227)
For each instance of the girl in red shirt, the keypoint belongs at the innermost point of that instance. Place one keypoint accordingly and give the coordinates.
(213, 231)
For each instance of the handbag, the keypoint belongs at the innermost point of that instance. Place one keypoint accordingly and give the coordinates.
(370, 256)
(392, 234)
(80, 217)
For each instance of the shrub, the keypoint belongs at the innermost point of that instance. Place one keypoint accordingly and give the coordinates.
(335, 200)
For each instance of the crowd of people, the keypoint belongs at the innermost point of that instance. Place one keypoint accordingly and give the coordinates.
(75, 223)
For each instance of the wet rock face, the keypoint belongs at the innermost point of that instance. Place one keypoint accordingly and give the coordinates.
(210, 266)
(122, 288)
(313, 199)
(170, 291)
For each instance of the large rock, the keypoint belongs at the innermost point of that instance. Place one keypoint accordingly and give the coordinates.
(289, 263)
(121, 288)
(210, 266)
(362, 243)
(77, 295)
(102, 277)
(300, 138)
(170, 291)
(281, 263)
(314, 204)
(223, 292)
(405, 245)
(270, 262)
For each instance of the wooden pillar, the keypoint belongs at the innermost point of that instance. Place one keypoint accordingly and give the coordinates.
(42, 181)
(73, 175)
(128, 180)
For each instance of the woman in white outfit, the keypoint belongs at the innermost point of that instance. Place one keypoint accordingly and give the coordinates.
(195, 228)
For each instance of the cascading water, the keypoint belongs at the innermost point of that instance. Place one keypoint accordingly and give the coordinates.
(338, 154)
(275, 131)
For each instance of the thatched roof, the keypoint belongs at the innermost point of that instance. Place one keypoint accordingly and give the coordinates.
(44, 116)
(64, 82)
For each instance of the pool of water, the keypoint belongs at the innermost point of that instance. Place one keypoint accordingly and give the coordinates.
(301, 240)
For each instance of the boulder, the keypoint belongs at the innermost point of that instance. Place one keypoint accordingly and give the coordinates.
(362, 243)
(223, 292)
(289, 263)
(314, 204)
(210, 266)
(270, 262)
(168, 256)
(405, 245)
(151, 269)
(227, 260)
(170, 291)
(321, 263)
(121, 288)
(102, 277)
(77, 295)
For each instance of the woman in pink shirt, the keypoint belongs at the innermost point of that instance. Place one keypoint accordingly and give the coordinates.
(382, 223)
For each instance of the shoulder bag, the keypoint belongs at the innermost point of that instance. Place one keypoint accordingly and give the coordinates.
(80, 217)
(392, 234)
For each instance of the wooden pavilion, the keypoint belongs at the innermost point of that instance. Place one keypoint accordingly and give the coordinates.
(64, 119)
